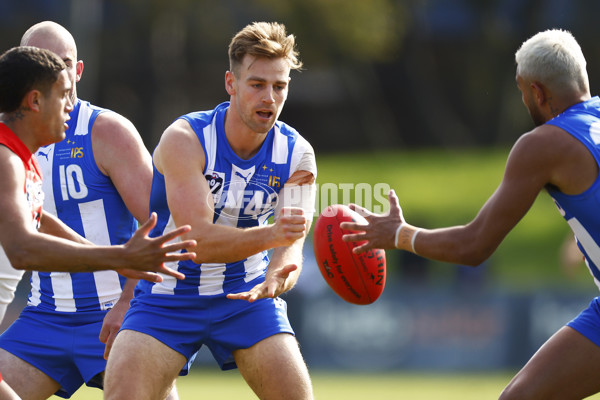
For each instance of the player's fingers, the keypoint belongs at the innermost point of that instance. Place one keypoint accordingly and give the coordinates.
(287, 211)
(237, 296)
(109, 343)
(147, 226)
(292, 220)
(360, 210)
(353, 237)
(171, 272)
(361, 249)
(352, 226)
(287, 270)
(295, 227)
(394, 203)
(175, 247)
(175, 257)
(136, 274)
(103, 336)
(167, 237)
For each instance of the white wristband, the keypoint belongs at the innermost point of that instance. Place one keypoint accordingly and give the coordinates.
(412, 240)
(397, 234)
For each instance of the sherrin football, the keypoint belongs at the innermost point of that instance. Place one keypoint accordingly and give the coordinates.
(356, 278)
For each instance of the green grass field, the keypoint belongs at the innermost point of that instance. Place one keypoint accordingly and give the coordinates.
(212, 384)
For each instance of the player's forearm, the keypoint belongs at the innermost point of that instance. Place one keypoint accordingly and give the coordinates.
(51, 225)
(225, 244)
(455, 245)
(44, 252)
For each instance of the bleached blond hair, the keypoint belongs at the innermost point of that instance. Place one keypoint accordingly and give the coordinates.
(553, 58)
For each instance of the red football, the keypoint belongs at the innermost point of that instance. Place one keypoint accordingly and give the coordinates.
(356, 278)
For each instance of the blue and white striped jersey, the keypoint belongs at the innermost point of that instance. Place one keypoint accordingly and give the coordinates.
(582, 211)
(245, 193)
(85, 199)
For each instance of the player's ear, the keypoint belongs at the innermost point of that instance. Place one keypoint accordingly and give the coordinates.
(539, 92)
(32, 100)
(78, 70)
(229, 83)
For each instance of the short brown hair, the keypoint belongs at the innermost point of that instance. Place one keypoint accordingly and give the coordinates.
(263, 39)
(25, 68)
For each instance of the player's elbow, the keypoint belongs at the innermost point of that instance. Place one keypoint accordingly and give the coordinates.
(474, 254)
(473, 261)
(19, 258)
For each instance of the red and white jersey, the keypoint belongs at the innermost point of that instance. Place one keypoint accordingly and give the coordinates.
(34, 198)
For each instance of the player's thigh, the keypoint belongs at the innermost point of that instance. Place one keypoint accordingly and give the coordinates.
(274, 368)
(140, 367)
(565, 367)
(28, 381)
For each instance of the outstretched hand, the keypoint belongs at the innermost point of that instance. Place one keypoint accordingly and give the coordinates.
(380, 231)
(146, 256)
(273, 286)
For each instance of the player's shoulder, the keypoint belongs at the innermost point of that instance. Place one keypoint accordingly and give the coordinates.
(184, 130)
(108, 122)
(8, 156)
(177, 144)
(11, 164)
(178, 137)
(543, 146)
(545, 136)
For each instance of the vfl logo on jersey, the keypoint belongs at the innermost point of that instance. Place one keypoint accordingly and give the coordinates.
(215, 183)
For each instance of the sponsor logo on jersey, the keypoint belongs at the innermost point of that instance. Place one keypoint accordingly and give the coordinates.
(77, 152)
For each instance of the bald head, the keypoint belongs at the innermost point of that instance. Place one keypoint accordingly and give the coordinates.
(54, 37)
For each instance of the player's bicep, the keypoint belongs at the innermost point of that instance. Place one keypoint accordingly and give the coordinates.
(526, 174)
(180, 158)
(121, 154)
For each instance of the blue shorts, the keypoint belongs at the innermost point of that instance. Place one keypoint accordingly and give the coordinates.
(64, 346)
(185, 323)
(588, 322)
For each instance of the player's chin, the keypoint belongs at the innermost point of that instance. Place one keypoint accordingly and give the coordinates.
(264, 124)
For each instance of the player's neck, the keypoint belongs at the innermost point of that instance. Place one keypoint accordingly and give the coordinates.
(244, 142)
(20, 124)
